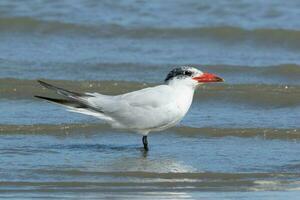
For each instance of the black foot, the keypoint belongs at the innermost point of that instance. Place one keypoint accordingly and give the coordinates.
(145, 143)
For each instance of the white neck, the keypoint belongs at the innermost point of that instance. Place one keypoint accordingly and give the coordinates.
(184, 94)
(188, 83)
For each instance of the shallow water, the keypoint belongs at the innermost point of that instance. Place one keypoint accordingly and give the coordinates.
(240, 139)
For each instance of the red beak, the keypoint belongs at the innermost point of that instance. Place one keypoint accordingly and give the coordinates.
(208, 78)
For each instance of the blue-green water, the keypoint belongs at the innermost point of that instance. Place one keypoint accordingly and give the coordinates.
(240, 139)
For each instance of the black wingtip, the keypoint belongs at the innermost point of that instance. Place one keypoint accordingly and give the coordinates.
(65, 102)
(45, 98)
(60, 101)
(40, 82)
(47, 85)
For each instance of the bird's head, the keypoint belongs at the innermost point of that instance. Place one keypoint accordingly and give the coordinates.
(190, 76)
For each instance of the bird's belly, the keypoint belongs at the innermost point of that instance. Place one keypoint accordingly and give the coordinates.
(165, 126)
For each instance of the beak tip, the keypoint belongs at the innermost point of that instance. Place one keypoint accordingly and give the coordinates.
(220, 79)
(208, 78)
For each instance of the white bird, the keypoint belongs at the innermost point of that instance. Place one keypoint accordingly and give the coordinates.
(142, 111)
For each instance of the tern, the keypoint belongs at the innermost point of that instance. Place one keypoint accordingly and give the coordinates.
(142, 111)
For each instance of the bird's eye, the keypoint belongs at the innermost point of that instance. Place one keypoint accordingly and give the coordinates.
(187, 73)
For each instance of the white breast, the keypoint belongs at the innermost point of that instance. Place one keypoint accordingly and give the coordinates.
(184, 99)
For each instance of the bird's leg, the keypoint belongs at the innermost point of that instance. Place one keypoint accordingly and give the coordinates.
(145, 143)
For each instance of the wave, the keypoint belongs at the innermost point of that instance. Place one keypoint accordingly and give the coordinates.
(283, 73)
(250, 94)
(51, 128)
(169, 175)
(149, 181)
(266, 133)
(263, 36)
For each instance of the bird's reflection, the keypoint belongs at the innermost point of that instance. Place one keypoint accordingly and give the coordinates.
(147, 163)
(144, 153)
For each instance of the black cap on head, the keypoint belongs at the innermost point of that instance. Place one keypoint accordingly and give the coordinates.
(180, 72)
